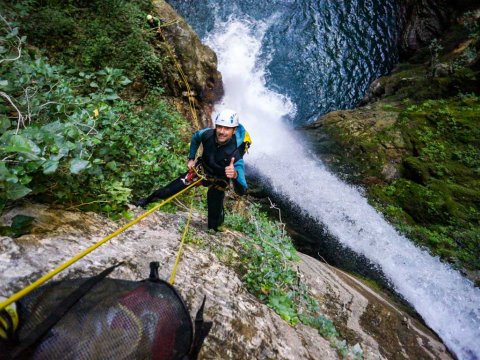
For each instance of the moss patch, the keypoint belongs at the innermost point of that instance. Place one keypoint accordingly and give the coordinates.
(416, 147)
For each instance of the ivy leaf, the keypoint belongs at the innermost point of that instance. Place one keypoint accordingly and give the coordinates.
(93, 84)
(125, 81)
(6, 175)
(63, 151)
(78, 165)
(50, 166)
(4, 124)
(13, 33)
(16, 191)
(53, 127)
(112, 97)
(18, 143)
(112, 165)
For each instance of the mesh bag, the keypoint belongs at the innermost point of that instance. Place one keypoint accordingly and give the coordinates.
(105, 319)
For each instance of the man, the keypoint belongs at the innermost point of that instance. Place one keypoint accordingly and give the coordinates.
(154, 23)
(221, 161)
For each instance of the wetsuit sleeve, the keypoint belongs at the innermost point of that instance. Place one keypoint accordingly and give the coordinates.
(195, 143)
(240, 183)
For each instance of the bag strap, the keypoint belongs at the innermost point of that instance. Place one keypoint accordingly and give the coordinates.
(25, 349)
(202, 328)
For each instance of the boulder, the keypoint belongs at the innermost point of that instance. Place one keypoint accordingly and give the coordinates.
(244, 327)
(421, 22)
(197, 61)
(355, 134)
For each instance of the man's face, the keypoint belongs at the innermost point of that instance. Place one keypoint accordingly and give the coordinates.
(224, 133)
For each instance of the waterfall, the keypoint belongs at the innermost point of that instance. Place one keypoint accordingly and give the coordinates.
(448, 303)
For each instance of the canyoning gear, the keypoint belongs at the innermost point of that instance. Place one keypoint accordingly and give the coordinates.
(8, 321)
(215, 196)
(108, 319)
(227, 118)
(192, 176)
(216, 157)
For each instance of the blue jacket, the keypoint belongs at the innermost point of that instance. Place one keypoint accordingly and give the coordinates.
(216, 157)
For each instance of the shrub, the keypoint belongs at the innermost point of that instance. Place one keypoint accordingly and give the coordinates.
(68, 136)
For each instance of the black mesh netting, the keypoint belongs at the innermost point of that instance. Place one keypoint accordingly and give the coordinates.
(116, 319)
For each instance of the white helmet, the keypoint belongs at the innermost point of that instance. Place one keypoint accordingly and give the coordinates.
(149, 17)
(227, 118)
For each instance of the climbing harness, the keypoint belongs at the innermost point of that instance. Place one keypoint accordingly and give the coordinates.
(193, 174)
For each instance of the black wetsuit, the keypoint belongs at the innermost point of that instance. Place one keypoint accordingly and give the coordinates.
(214, 160)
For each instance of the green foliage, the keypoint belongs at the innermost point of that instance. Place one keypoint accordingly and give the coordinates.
(438, 197)
(99, 34)
(67, 135)
(268, 257)
(472, 24)
(21, 225)
(322, 324)
(268, 265)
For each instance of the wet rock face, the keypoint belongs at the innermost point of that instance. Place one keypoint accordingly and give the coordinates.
(420, 22)
(244, 328)
(368, 317)
(355, 136)
(198, 62)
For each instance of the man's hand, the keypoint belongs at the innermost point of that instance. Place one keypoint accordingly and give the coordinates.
(230, 170)
(190, 164)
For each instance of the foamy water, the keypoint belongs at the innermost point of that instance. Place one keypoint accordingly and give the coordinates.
(448, 303)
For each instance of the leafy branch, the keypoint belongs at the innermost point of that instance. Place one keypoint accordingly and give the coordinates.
(12, 33)
(20, 119)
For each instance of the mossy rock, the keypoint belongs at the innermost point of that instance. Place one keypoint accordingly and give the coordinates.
(464, 194)
(423, 204)
(416, 170)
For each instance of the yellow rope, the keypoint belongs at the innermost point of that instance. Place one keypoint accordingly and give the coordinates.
(17, 296)
(177, 260)
(169, 23)
(185, 81)
(180, 71)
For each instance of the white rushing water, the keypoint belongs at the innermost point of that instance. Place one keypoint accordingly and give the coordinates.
(448, 303)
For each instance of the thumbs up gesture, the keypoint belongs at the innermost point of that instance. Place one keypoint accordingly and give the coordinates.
(230, 171)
